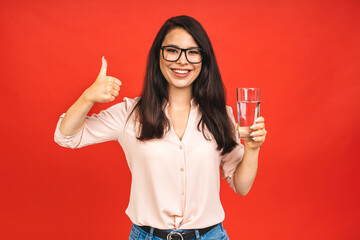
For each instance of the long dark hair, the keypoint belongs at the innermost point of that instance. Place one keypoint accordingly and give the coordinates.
(208, 90)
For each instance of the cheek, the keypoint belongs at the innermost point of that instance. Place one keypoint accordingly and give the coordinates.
(198, 70)
(163, 68)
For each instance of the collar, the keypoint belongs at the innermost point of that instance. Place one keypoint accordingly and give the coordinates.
(193, 104)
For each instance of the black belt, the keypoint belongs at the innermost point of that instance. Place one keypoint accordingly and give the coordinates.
(187, 235)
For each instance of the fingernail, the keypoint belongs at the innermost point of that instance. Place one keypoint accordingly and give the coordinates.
(254, 138)
(253, 126)
(102, 59)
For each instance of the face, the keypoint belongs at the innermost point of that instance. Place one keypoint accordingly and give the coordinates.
(180, 74)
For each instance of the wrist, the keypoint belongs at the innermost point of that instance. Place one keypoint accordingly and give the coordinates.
(86, 98)
(251, 149)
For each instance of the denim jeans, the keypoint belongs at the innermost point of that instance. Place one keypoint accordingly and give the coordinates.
(217, 233)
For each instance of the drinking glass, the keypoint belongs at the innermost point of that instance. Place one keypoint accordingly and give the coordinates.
(248, 109)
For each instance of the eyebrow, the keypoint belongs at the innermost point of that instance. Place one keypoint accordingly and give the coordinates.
(176, 46)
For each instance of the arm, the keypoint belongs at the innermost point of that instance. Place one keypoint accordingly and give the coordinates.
(246, 170)
(75, 116)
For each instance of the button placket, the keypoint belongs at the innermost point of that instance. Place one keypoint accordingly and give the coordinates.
(182, 171)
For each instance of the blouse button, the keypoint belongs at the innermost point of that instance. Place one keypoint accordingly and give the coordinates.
(181, 147)
(182, 169)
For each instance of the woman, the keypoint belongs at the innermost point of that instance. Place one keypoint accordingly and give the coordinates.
(175, 137)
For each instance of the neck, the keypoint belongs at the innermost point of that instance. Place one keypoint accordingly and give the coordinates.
(179, 99)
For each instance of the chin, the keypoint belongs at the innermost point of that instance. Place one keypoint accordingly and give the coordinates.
(181, 83)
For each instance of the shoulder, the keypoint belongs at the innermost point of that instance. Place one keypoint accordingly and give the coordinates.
(130, 102)
(230, 113)
(121, 110)
(229, 109)
(126, 105)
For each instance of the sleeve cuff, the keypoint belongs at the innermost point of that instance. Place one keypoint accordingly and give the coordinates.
(72, 141)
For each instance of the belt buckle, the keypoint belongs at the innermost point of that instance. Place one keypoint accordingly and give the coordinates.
(169, 236)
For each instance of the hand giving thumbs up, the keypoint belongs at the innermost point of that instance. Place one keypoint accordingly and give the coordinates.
(105, 88)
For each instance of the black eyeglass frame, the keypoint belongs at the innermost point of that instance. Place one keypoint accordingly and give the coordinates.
(182, 50)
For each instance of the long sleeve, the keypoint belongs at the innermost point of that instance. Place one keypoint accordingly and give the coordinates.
(102, 127)
(230, 161)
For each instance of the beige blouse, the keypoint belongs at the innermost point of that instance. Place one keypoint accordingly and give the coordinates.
(175, 184)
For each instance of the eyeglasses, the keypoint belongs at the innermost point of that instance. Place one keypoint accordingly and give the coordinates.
(172, 54)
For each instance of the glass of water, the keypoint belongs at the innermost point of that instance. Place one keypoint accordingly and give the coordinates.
(248, 108)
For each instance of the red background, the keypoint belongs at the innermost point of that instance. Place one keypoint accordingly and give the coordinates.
(303, 54)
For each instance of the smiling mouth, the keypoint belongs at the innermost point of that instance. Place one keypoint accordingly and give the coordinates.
(181, 71)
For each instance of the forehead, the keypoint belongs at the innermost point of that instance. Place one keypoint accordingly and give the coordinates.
(179, 37)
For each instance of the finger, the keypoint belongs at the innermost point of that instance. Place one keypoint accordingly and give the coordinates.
(115, 93)
(115, 87)
(258, 126)
(111, 82)
(116, 81)
(258, 133)
(108, 98)
(259, 120)
(110, 90)
(103, 67)
(259, 139)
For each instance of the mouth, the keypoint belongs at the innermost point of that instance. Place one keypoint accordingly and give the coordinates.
(179, 72)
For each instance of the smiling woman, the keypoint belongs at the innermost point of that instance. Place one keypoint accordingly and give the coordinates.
(175, 137)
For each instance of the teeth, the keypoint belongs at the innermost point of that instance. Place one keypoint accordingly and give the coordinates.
(181, 71)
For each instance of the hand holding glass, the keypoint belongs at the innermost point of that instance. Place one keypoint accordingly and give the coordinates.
(248, 109)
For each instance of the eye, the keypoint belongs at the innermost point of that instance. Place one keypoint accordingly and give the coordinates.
(194, 52)
(171, 50)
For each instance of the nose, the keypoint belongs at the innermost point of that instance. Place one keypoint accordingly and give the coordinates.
(182, 59)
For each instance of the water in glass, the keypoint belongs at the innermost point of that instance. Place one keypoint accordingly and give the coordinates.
(248, 111)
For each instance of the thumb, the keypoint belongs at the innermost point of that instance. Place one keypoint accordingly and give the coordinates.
(103, 67)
